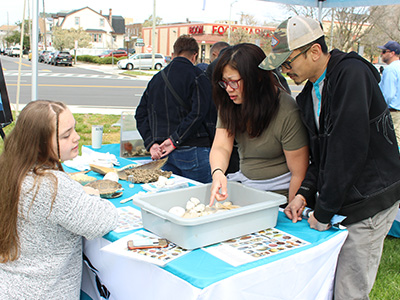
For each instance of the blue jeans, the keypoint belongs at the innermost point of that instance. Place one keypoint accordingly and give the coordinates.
(190, 162)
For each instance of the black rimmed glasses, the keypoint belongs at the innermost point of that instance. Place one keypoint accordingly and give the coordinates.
(234, 84)
(287, 63)
(385, 51)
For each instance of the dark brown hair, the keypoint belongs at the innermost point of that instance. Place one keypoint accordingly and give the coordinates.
(28, 148)
(260, 91)
(185, 44)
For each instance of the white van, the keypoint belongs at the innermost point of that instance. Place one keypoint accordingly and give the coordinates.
(143, 61)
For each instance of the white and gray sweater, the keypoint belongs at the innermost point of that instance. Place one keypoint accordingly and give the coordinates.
(50, 262)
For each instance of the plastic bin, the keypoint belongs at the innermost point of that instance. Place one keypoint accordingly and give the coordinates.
(258, 210)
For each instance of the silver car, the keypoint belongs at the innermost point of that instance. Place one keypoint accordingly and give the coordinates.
(143, 61)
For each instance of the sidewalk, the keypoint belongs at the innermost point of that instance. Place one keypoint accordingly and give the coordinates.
(113, 70)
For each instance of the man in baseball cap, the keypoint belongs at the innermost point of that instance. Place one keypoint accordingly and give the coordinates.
(355, 166)
(292, 34)
(391, 46)
(390, 83)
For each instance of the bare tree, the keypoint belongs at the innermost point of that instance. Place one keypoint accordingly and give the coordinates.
(307, 11)
(385, 27)
(149, 21)
(65, 38)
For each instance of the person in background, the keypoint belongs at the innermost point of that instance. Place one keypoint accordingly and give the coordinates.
(355, 166)
(176, 116)
(215, 51)
(43, 212)
(202, 66)
(390, 83)
(264, 120)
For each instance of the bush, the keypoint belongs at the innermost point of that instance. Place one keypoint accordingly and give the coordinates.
(98, 60)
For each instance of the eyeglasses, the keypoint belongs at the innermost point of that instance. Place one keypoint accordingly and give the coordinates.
(287, 63)
(384, 51)
(232, 83)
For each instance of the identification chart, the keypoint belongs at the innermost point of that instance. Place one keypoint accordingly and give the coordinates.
(255, 246)
(129, 219)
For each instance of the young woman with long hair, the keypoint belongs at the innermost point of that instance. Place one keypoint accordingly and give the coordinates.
(43, 212)
(264, 120)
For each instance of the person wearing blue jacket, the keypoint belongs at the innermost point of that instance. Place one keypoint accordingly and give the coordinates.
(355, 166)
(176, 116)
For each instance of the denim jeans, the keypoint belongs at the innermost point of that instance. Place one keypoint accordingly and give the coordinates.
(190, 162)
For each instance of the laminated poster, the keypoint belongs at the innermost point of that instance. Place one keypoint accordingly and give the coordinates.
(255, 246)
(157, 256)
(129, 219)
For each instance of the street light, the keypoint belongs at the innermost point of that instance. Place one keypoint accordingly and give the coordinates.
(229, 29)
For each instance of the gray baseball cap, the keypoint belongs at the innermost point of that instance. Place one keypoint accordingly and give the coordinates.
(291, 34)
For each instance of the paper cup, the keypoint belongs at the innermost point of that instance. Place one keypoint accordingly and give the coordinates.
(97, 136)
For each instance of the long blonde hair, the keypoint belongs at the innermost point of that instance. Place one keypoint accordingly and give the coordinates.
(28, 148)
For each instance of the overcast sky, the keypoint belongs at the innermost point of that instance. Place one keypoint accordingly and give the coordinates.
(169, 10)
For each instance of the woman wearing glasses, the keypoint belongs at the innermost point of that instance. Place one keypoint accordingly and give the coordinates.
(264, 120)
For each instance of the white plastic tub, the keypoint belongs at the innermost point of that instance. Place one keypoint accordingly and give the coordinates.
(258, 210)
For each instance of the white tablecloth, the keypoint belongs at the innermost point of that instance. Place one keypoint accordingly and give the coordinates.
(307, 275)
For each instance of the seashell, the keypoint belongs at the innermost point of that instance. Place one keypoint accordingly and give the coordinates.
(227, 203)
(218, 205)
(194, 200)
(190, 205)
(111, 176)
(177, 211)
(200, 207)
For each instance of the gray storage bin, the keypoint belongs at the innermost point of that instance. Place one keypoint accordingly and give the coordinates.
(258, 210)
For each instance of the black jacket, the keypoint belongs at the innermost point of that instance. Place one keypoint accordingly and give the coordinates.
(159, 115)
(355, 166)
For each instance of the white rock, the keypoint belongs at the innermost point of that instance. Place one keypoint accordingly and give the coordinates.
(177, 211)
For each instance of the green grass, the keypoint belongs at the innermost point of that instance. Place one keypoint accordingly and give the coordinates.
(84, 122)
(387, 284)
(139, 73)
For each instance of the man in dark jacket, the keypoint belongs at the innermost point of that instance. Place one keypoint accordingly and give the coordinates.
(355, 166)
(176, 116)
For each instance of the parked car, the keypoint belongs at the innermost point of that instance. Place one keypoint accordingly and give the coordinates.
(131, 50)
(48, 56)
(143, 61)
(14, 51)
(6, 51)
(61, 58)
(42, 54)
(115, 53)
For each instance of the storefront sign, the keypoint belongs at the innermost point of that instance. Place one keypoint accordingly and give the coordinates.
(199, 29)
(221, 29)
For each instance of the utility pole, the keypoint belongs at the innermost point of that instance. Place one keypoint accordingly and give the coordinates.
(35, 34)
(44, 28)
(229, 28)
(153, 35)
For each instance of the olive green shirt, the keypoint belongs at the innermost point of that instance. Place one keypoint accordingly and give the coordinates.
(263, 157)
